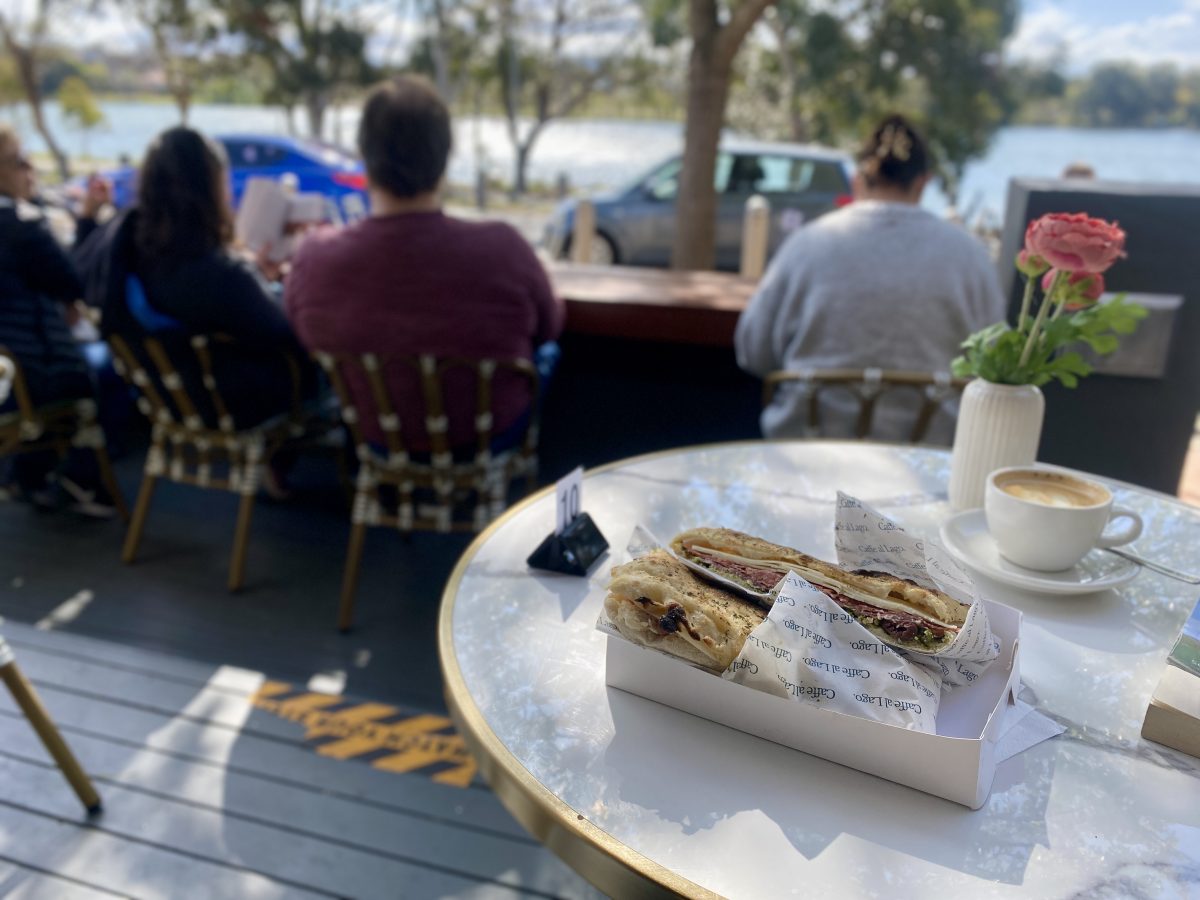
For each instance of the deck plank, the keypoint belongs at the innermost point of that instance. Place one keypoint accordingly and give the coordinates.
(22, 883)
(124, 867)
(345, 822)
(295, 765)
(90, 649)
(287, 857)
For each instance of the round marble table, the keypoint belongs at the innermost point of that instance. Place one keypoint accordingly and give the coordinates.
(643, 799)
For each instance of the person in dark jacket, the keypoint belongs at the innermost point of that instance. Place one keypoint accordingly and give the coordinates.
(39, 287)
(176, 243)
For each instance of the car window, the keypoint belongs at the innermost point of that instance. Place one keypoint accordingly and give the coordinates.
(784, 175)
(664, 183)
(767, 174)
(828, 177)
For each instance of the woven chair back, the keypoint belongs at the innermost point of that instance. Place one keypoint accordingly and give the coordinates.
(867, 386)
(439, 485)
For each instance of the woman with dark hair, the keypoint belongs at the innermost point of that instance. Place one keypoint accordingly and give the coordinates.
(881, 283)
(167, 268)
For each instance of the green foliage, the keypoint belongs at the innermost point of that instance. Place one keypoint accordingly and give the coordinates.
(1111, 95)
(311, 50)
(844, 66)
(667, 20)
(995, 353)
(77, 103)
(10, 84)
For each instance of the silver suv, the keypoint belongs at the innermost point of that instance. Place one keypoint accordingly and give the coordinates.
(636, 225)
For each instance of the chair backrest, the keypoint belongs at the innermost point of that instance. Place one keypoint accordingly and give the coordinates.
(24, 425)
(153, 365)
(867, 386)
(56, 424)
(416, 451)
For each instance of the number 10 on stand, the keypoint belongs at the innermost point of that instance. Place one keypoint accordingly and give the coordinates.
(566, 495)
(576, 542)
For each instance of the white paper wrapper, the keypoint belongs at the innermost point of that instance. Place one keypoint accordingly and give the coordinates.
(809, 649)
(869, 540)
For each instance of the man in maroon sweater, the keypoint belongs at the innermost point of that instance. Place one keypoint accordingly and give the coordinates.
(411, 279)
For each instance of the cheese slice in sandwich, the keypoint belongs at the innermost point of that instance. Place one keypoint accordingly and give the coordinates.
(659, 602)
(897, 611)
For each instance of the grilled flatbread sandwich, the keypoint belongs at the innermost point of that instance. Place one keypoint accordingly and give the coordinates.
(657, 601)
(897, 611)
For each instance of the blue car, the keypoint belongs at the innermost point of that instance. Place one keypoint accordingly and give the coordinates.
(318, 168)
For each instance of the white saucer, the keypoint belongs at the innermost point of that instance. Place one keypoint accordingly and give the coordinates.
(966, 537)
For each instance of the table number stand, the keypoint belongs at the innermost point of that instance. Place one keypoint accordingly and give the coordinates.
(576, 543)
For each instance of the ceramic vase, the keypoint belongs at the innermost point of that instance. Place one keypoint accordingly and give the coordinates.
(999, 425)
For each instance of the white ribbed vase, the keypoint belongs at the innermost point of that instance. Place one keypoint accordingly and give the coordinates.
(998, 425)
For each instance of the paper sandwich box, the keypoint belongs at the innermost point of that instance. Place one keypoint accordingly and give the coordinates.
(958, 763)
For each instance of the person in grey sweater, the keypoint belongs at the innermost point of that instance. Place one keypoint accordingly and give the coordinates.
(880, 283)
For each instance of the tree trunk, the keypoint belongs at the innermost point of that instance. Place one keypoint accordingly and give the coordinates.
(696, 205)
(521, 166)
(183, 102)
(26, 63)
(314, 105)
(441, 56)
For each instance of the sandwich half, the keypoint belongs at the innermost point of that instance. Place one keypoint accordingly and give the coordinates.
(659, 602)
(897, 611)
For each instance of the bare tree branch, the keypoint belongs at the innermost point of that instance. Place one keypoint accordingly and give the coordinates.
(741, 20)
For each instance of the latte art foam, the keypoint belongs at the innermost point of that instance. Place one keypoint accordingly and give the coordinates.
(1059, 493)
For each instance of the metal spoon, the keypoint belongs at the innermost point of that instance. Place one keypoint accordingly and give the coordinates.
(1185, 577)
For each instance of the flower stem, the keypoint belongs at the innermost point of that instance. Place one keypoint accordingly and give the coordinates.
(1025, 301)
(1043, 309)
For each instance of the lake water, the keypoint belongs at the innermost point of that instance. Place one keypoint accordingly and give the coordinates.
(598, 153)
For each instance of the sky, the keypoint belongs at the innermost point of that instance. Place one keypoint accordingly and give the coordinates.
(1091, 31)
(1083, 32)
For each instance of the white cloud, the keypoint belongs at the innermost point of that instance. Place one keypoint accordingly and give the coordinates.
(1050, 31)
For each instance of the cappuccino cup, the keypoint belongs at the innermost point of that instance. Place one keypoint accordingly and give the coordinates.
(1048, 519)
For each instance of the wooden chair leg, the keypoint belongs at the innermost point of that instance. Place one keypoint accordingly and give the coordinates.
(23, 693)
(241, 541)
(350, 576)
(133, 537)
(109, 479)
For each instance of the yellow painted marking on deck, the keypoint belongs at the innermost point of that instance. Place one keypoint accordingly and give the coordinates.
(271, 688)
(296, 708)
(412, 742)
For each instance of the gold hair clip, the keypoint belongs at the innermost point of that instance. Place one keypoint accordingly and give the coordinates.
(894, 142)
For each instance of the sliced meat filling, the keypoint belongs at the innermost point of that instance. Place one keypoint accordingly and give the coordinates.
(903, 626)
(761, 580)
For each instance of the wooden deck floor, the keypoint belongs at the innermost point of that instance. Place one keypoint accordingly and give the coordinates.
(207, 794)
(155, 673)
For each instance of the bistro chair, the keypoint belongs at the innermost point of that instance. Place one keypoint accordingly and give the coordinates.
(447, 489)
(193, 438)
(936, 390)
(27, 701)
(59, 427)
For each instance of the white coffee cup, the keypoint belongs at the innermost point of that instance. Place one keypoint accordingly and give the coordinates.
(1047, 519)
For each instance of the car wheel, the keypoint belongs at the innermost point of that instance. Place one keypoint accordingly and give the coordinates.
(604, 250)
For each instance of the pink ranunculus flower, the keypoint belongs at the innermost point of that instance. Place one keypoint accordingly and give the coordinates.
(1081, 290)
(1031, 265)
(1075, 241)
